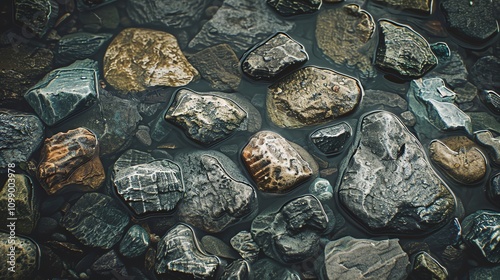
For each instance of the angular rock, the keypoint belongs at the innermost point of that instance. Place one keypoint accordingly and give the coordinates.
(311, 96)
(109, 264)
(408, 118)
(131, 64)
(344, 36)
(219, 66)
(25, 259)
(484, 73)
(269, 269)
(217, 194)
(21, 135)
(485, 138)
(405, 195)
(26, 203)
(402, 51)
(65, 91)
(442, 51)
(71, 159)
(241, 24)
(143, 136)
(36, 17)
(322, 190)
(295, 7)
(492, 100)
(292, 234)
(481, 233)
(484, 121)
(349, 258)
(131, 158)
(79, 45)
(423, 6)
(383, 100)
(96, 220)
(426, 267)
(273, 163)
(245, 245)
(273, 57)
(217, 247)
(493, 189)
(135, 242)
(179, 254)
(331, 139)
(237, 270)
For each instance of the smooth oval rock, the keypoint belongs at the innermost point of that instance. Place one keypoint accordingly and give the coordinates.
(322, 190)
(21, 264)
(311, 96)
(135, 242)
(131, 64)
(295, 7)
(331, 139)
(481, 232)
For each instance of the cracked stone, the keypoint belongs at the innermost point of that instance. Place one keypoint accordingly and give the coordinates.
(331, 139)
(245, 245)
(36, 16)
(481, 233)
(135, 242)
(423, 6)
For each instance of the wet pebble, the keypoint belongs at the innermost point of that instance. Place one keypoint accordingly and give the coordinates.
(295, 7)
(25, 258)
(485, 71)
(79, 45)
(135, 242)
(426, 267)
(322, 190)
(331, 140)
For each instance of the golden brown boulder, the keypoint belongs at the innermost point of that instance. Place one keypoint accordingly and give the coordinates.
(71, 158)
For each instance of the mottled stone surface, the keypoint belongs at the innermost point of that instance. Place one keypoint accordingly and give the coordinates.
(291, 234)
(132, 64)
(269, 269)
(492, 144)
(492, 100)
(245, 245)
(404, 195)
(65, 91)
(217, 247)
(331, 139)
(219, 65)
(403, 51)
(21, 133)
(274, 56)
(134, 242)
(311, 96)
(349, 258)
(96, 220)
(166, 13)
(79, 45)
(493, 189)
(179, 254)
(426, 267)
(25, 259)
(423, 6)
(383, 100)
(241, 24)
(481, 233)
(485, 72)
(484, 273)
(71, 158)
(273, 163)
(484, 121)
(36, 16)
(322, 190)
(453, 71)
(237, 270)
(217, 194)
(344, 36)
(295, 7)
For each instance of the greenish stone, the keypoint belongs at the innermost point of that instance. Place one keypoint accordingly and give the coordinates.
(25, 261)
(426, 267)
(135, 242)
(80, 45)
(484, 121)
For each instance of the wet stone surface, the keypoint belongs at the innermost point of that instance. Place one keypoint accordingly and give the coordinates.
(26, 207)
(46, 12)
(492, 100)
(331, 139)
(237, 270)
(485, 72)
(294, 7)
(486, 139)
(481, 233)
(245, 245)
(423, 6)
(269, 269)
(108, 264)
(426, 267)
(494, 189)
(80, 46)
(383, 100)
(25, 259)
(134, 242)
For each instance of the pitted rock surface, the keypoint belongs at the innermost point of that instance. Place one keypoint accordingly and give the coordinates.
(273, 163)
(139, 58)
(423, 6)
(481, 233)
(71, 158)
(387, 182)
(217, 194)
(295, 7)
(311, 96)
(331, 139)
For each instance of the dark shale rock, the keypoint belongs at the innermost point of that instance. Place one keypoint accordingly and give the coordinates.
(453, 70)
(217, 194)
(109, 264)
(21, 133)
(383, 100)
(485, 72)
(143, 136)
(349, 258)
(273, 57)
(493, 189)
(426, 267)
(65, 91)
(96, 220)
(269, 269)
(179, 254)
(36, 16)
(217, 247)
(241, 24)
(405, 195)
(331, 139)
(403, 51)
(442, 51)
(485, 138)
(134, 242)
(26, 203)
(485, 273)
(291, 234)
(322, 190)
(311, 96)
(245, 245)
(25, 259)
(344, 36)
(484, 121)
(492, 100)
(79, 45)
(481, 233)
(295, 7)
(237, 270)
(422, 6)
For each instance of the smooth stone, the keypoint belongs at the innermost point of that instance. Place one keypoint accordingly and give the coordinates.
(442, 51)
(65, 91)
(22, 134)
(46, 226)
(331, 139)
(25, 260)
(166, 13)
(383, 100)
(405, 195)
(109, 264)
(486, 139)
(36, 17)
(241, 24)
(493, 189)
(492, 100)
(230, 150)
(135, 242)
(295, 7)
(481, 233)
(130, 64)
(322, 190)
(453, 71)
(350, 258)
(106, 17)
(51, 205)
(485, 273)
(26, 203)
(292, 234)
(80, 45)
(421, 6)
(484, 73)
(273, 57)
(426, 267)
(217, 247)
(96, 220)
(475, 20)
(311, 96)
(408, 118)
(237, 270)
(217, 194)
(245, 245)
(179, 254)
(274, 164)
(269, 269)
(344, 36)
(484, 121)
(403, 51)
(219, 66)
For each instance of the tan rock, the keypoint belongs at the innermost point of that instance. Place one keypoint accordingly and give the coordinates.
(139, 58)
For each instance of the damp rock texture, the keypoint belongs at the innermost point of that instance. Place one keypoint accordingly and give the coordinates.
(217, 194)
(65, 91)
(237, 270)
(295, 7)
(36, 16)
(402, 51)
(244, 244)
(426, 267)
(25, 259)
(273, 163)
(26, 203)
(292, 234)
(80, 45)
(492, 100)
(383, 100)
(493, 189)
(311, 96)
(241, 24)
(179, 254)
(96, 220)
(21, 133)
(109, 265)
(388, 184)
(273, 57)
(331, 139)
(423, 6)
(269, 269)
(140, 58)
(484, 73)
(322, 190)
(349, 258)
(206, 118)
(481, 233)
(71, 158)
(135, 242)
(344, 36)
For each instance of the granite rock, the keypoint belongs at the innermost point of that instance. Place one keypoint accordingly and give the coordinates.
(485, 71)
(25, 259)
(36, 16)
(245, 245)
(331, 139)
(80, 45)
(426, 267)
(134, 242)
(269, 269)
(421, 6)
(492, 144)
(26, 203)
(295, 7)
(481, 233)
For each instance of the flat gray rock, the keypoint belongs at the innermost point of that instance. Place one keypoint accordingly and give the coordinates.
(481, 233)
(484, 73)
(384, 100)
